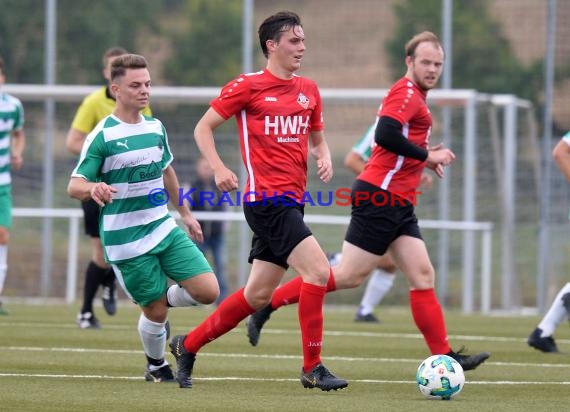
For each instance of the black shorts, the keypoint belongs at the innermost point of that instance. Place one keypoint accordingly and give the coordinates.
(277, 226)
(91, 212)
(374, 225)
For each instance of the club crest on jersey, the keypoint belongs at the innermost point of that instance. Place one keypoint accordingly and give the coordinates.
(303, 100)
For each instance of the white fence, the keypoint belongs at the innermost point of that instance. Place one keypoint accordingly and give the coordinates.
(74, 216)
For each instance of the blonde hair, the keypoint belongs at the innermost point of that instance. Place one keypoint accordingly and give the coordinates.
(425, 36)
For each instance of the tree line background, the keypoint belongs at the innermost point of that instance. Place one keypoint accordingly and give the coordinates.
(198, 42)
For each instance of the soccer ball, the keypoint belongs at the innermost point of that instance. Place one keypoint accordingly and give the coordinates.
(440, 377)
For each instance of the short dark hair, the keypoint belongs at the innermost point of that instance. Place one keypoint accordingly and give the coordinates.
(113, 52)
(127, 61)
(273, 27)
(425, 36)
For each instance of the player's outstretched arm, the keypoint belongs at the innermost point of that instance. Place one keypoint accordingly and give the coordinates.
(81, 189)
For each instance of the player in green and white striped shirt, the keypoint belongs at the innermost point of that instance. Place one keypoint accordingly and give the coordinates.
(12, 142)
(125, 166)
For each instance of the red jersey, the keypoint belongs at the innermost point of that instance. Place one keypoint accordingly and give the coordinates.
(274, 119)
(406, 103)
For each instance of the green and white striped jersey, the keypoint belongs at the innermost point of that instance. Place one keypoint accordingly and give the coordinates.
(364, 145)
(11, 119)
(131, 158)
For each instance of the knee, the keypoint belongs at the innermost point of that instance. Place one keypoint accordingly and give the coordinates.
(4, 235)
(206, 296)
(207, 292)
(156, 312)
(424, 278)
(318, 276)
(427, 272)
(348, 279)
(258, 299)
(203, 288)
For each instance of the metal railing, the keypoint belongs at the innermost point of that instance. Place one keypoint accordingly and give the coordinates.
(75, 215)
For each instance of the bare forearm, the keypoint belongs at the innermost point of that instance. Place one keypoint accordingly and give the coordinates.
(204, 136)
(18, 142)
(208, 150)
(561, 156)
(320, 150)
(74, 141)
(79, 188)
(172, 187)
(563, 163)
(354, 162)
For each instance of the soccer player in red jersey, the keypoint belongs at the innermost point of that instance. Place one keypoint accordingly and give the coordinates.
(376, 225)
(279, 114)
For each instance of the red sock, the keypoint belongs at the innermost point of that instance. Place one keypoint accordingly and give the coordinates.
(311, 302)
(428, 316)
(288, 293)
(231, 311)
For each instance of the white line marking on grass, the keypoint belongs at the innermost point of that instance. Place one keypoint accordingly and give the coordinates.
(267, 356)
(243, 378)
(58, 325)
(338, 333)
(60, 376)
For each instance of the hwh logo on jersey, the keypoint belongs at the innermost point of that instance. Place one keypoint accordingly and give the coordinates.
(282, 125)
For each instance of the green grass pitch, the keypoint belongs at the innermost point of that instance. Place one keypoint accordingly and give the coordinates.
(48, 364)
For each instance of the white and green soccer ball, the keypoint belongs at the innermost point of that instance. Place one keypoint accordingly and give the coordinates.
(440, 377)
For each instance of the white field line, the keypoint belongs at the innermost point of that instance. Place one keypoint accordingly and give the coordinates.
(242, 379)
(270, 331)
(264, 356)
